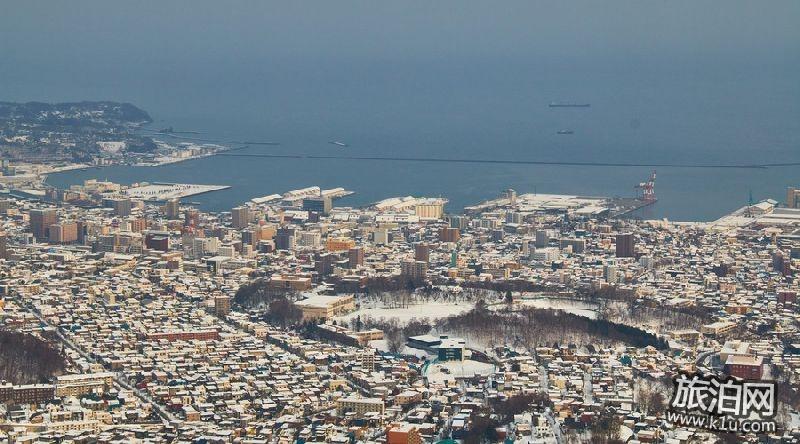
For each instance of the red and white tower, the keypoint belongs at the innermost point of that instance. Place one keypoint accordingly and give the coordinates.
(648, 192)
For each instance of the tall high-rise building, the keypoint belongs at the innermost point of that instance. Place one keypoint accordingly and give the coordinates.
(191, 218)
(626, 245)
(449, 234)
(138, 224)
(415, 270)
(41, 220)
(513, 217)
(222, 305)
(310, 239)
(577, 245)
(285, 239)
(107, 243)
(422, 252)
(355, 257)
(172, 208)
(793, 197)
(380, 236)
(511, 195)
(250, 237)
(121, 206)
(324, 263)
(367, 359)
(240, 217)
(63, 233)
(3, 245)
(459, 222)
(320, 205)
(542, 239)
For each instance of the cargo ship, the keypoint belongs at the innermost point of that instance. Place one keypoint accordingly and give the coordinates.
(569, 105)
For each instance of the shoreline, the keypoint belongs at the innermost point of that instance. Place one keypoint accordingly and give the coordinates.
(630, 212)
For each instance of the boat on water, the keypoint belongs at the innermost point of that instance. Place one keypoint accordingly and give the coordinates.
(569, 105)
(337, 143)
(565, 132)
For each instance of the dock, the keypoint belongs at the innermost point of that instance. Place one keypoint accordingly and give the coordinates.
(157, 192)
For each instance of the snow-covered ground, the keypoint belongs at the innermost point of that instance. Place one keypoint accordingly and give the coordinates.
(434, 310)
(450, 370)
(579, 308)
(381, 345)
(430, 310)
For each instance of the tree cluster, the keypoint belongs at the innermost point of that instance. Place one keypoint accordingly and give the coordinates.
(520, 403)
(26, 359)
(649, 395)
(533, 327)
(483, 428)
(277, 305)
(395, 333)
(606, 428)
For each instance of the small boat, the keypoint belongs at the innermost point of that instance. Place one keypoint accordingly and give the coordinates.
(334, 142)
(565, 132)
(569, 105)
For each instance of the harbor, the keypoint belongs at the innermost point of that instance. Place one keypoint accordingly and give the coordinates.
(587, 206)
(157, 192)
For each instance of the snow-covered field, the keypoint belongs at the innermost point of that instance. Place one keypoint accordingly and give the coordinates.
(430, 310)
(450, 370)
(434, 310)
(575, 307)
(381, 345)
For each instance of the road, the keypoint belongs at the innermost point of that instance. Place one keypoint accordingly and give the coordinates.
(555, 426)
(119, 379)
(588, 396)
(701, 360)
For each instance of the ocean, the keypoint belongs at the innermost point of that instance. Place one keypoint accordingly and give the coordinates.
(682, 107)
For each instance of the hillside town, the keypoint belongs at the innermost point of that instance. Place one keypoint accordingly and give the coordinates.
(289, 319)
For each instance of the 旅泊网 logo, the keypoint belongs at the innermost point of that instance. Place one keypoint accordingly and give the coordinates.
(723, 404)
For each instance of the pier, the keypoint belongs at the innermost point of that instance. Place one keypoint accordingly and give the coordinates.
(166, 191)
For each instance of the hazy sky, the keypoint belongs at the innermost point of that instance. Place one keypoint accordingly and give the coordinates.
(85, 31)
(669, 81)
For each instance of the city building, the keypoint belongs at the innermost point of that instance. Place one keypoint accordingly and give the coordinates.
(41, 220)
(625, 245)
(403, 434)
(4, 245)
(222, 305)
(422, 252)
(430, 210)
(449, 234)
(360, 406)
(320, 205)
(318, 307)
(793, 197)
(285, 239)
(240, 217)
(355, 257)
(415, 270)
(745, 366)
(120, 205)
(157, 240)
(172, 208)
(339, 244)
(63, 233)
(83, 384)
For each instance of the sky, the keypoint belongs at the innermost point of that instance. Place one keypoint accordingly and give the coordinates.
(92, 32)
(669, 81)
